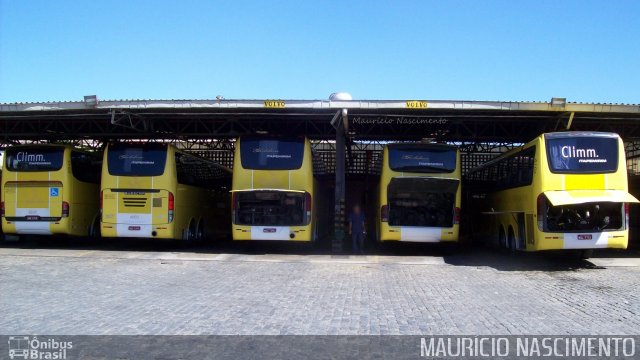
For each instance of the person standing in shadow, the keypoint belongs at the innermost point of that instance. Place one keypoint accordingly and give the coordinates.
(357, 229)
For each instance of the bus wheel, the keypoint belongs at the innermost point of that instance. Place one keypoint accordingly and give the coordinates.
(94, 229)
(191, 233)
(512, 240)
(585, 254)
(502, 238)
(200, 231)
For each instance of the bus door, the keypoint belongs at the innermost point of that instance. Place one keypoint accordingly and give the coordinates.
(33, 201)
(422, 206)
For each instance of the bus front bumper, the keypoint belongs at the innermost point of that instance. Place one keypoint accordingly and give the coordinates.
(60, 227)
(598, 240)
(275, 233)
(136, 231)
(419, 234)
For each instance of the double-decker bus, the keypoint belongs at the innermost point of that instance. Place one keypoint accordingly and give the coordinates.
(50, 189)
(564, 190)
(154, 190)
(274, 191)
(419, 193)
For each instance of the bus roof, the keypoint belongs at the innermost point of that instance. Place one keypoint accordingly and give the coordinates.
(564, 134)
(420, 145)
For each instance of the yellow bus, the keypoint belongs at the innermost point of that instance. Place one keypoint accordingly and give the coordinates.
(419, 193)
(273, 192)
(154, 190)
(564, 190)
(50, 189)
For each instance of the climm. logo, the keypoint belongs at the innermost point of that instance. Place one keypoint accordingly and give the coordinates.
(25, 156)
(25, 347)
(573, 152)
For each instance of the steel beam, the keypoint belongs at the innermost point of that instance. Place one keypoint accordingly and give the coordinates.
(340, 185)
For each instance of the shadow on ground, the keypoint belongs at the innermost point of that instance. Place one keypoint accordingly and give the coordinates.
(452, 255)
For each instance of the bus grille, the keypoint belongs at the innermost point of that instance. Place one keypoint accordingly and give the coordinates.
(134, 201)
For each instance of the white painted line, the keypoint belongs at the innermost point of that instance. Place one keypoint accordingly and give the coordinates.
(613, 262)
(188, 256)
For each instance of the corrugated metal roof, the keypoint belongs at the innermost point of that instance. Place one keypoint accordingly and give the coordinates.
(242, 100)
(300, 104)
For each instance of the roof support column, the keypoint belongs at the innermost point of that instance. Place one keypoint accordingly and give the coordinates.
(340, 122)
(570, 121)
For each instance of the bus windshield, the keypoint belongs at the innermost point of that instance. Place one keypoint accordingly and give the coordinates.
(422, 201)
(417, 159)
(586, 154)
(137, 160)
(34, 158)
(271, 154)
(274, 208)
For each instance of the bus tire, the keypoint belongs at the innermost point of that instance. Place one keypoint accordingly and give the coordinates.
(585, 254)
(511, 240)
(191, 232)
(94, 229)
(502, 238)
(199, 237)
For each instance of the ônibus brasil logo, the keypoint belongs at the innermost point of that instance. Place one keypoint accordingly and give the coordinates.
(30, 347)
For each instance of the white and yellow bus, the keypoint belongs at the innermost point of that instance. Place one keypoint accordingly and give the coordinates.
(274, 192)
(565, 190)
(154, 190)
(50, 189)
(419, 193)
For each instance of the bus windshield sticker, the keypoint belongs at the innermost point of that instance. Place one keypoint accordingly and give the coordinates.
(422, 160)
(271, 154)
(583, 154)
(136, 161)
(35, 159)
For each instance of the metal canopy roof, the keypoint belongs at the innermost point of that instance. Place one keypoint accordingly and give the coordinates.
(447, 120)
(320, 104)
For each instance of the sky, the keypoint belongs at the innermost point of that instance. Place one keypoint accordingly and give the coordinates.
(586, 51)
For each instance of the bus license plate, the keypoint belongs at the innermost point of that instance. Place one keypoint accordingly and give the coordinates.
(33, 218)
(585, 237)
(269, 230)
(134, 228)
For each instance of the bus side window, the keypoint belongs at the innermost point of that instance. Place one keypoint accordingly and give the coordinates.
(194, 171)
(185, 167)
(85, 167)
